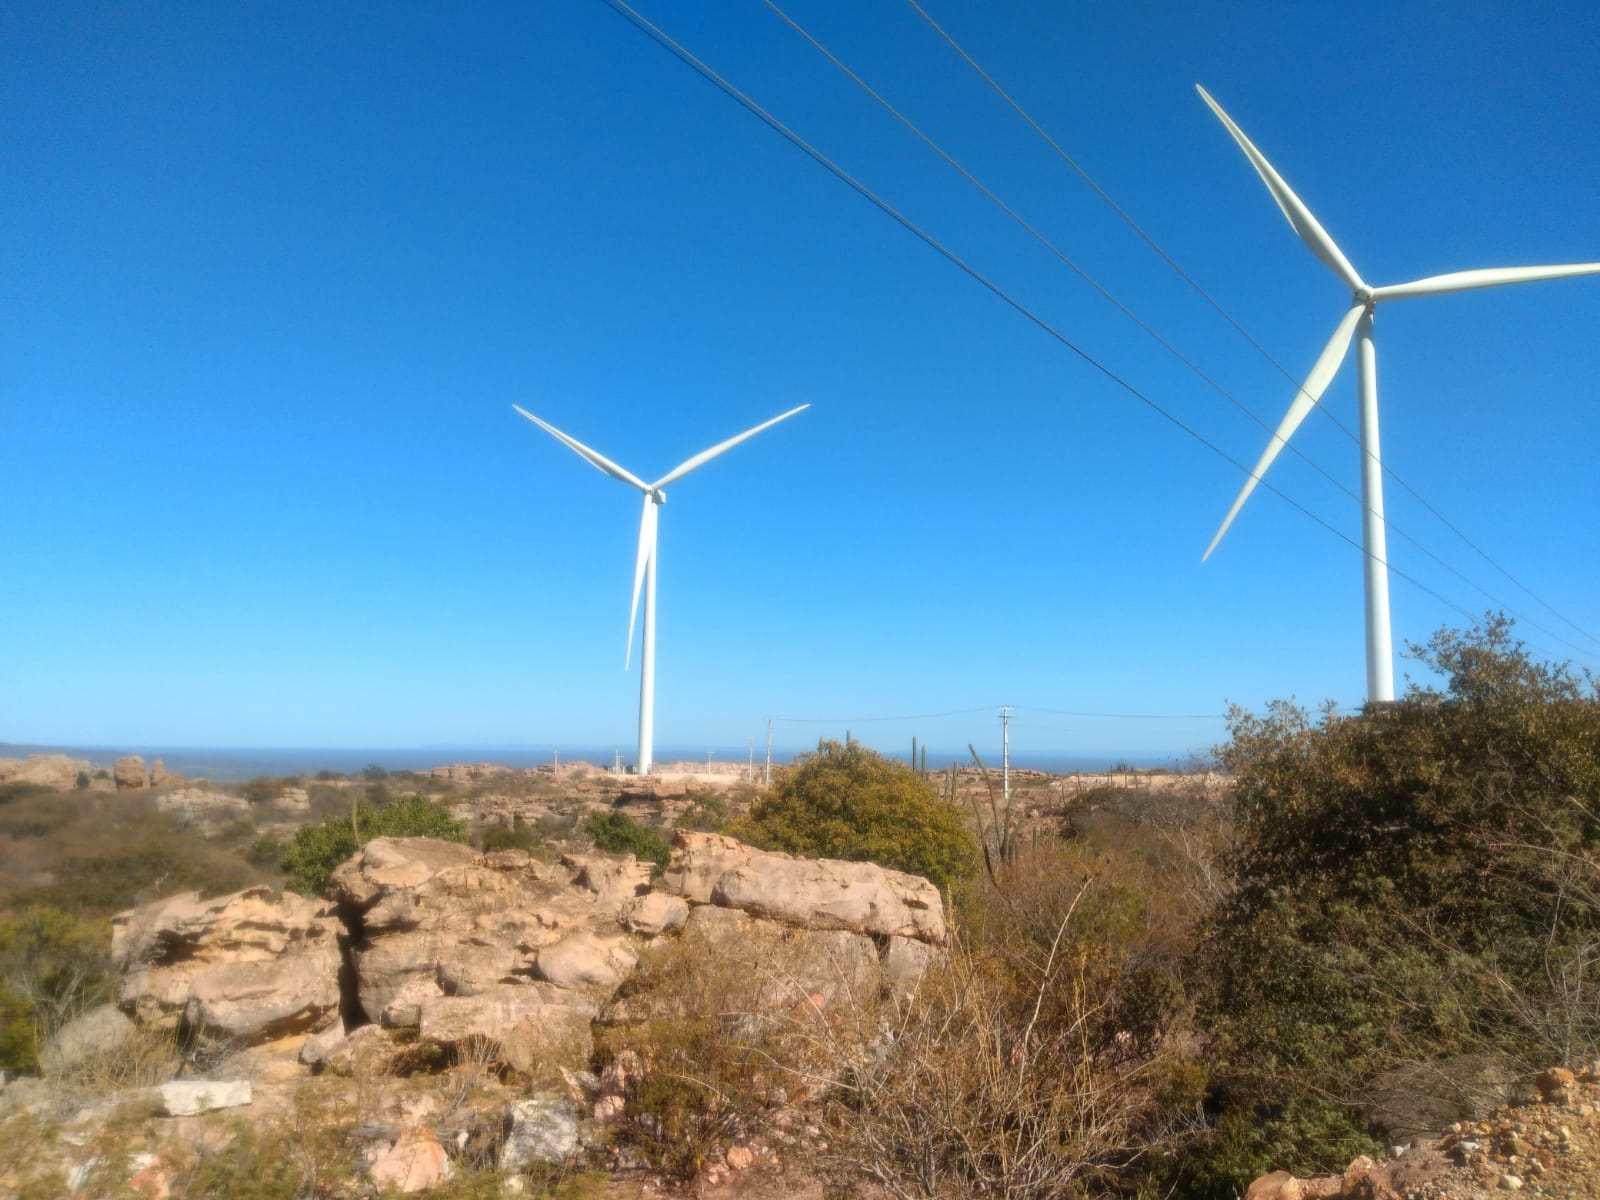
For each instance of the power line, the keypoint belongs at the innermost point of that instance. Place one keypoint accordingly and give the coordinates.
(710, 75)
(958, 712)
(1260, 349)
(1126, 311)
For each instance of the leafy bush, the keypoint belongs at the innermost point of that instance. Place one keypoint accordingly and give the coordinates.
(53, 965)
(317, 849)
(849, 802)
(618, 833)
(1415, 883)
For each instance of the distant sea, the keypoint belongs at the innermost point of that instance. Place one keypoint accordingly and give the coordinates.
(225, 763)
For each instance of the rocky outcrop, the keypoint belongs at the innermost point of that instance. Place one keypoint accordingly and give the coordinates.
(129, 773)
(200, 805)
(501, 949)
(812, 893)
(44, 770)
(433, 919)
(245, 968)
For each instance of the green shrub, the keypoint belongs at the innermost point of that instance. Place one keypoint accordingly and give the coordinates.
(1415, 883)
(849, 802)
(518, 836)
(317, 849)
(53, 965)
(618, 833)
(706, 812)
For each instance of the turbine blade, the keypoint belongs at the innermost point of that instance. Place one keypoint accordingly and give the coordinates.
(1322, 373)
(705, 456)
(1465, 281)
(593, 457)
(1299, 216)
(647, 552)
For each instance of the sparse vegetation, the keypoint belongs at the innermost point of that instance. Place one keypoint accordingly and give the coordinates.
(1150, 990)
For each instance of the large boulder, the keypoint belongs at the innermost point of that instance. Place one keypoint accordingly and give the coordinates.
(96, 1034)
(530, 1026)
(812, 893)
(246, 968)
(128, 771)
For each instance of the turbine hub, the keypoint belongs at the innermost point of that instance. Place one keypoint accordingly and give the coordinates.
(657, 495)
(1364, 297)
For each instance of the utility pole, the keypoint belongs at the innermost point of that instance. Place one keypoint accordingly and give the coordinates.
(750, 767)
(766, 776)
(1005, 752)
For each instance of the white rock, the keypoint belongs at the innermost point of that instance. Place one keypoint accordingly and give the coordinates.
(186, 1097)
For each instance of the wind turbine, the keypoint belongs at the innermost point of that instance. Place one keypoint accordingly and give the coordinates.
(644, 569)
(1357, 323)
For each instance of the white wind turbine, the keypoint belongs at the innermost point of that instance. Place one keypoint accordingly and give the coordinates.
(644, 570)
(1357, 322)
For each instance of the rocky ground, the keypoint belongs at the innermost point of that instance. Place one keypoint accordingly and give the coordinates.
(442, 1013)
(1547, 1147)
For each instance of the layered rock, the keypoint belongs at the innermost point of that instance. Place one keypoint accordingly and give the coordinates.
(245, 968)
(813, 893)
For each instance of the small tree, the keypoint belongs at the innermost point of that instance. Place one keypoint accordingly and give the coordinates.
(846, 801)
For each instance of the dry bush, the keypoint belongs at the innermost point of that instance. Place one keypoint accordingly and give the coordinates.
(1039, 1062)
(724, 1033)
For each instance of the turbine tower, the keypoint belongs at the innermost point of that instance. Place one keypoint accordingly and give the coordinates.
(1357, 323)
(644, 569)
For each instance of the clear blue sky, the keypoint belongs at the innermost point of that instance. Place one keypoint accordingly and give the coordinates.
(272, 276)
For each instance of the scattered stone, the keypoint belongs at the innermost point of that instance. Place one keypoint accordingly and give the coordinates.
(1278, 1185)
(187, 1097)
(1555, 1084)
(739, 1158)
(543, 1128)
(414, 1163)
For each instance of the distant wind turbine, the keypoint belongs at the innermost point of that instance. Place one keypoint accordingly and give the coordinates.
(644, 570)
(1357, 322)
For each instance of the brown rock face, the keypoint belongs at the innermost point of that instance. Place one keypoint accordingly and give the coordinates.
(158, 773)
(245, 967)
(128, 771)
